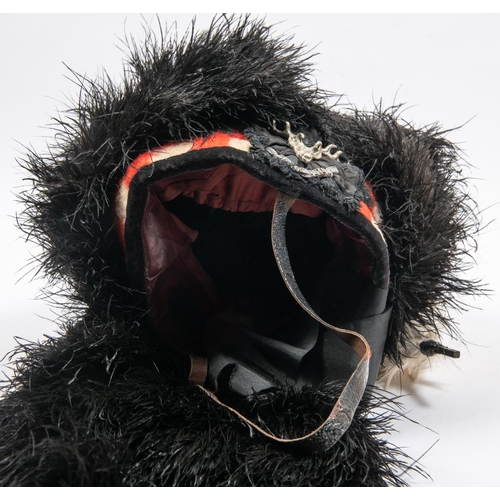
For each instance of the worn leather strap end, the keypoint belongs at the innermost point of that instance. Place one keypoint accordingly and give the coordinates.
(199, 370)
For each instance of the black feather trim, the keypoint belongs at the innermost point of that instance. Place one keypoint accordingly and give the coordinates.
(105, 404)
(177, 90)
(97, 408)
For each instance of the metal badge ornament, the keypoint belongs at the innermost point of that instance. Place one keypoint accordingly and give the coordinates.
(305, 153)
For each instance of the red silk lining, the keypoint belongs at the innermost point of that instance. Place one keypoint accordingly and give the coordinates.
(229, 188)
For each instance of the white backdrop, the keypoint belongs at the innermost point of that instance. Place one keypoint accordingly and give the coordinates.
(444, 67)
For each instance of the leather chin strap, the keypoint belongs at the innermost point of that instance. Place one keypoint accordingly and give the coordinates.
(342, 413)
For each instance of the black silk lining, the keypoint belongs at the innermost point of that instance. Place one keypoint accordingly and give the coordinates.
(256, 336)
(225, 300)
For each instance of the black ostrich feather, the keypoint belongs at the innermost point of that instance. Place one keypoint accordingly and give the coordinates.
(107, 403)
(98, 408)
